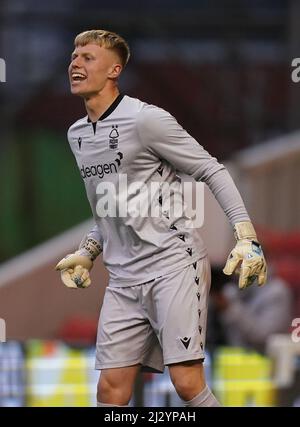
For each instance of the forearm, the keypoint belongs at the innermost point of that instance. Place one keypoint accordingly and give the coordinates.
(91, 243)
(226, 193)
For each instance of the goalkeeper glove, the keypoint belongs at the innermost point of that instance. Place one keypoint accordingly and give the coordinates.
(75, 268)
(247, 257)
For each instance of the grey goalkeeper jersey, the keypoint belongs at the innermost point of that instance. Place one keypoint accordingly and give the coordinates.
(129, 161)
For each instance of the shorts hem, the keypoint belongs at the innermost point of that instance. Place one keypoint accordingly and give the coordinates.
(117, 364)
(146, 366)
(185, 358)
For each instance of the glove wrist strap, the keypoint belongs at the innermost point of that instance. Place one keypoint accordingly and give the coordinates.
(244, 230)
(90, 248)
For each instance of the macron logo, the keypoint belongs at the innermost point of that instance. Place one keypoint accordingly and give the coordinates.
(101, 169)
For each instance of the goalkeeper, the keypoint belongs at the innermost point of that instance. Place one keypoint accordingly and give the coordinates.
(155, 306)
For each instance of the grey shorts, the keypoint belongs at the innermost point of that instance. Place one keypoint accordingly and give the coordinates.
(156, 323)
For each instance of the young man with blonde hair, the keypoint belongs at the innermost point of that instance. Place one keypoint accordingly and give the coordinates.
(155, 306)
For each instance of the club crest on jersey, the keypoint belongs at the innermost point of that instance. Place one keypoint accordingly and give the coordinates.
(113, 138)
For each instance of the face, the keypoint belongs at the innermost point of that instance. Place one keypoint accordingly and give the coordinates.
(91, 68)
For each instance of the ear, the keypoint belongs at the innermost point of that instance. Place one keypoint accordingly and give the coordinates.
(115, 71)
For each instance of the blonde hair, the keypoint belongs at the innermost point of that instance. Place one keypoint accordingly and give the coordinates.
(106, 39)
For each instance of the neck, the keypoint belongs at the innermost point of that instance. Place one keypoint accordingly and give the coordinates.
(98, 104)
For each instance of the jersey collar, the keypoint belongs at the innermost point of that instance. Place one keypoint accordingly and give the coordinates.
(110, 109)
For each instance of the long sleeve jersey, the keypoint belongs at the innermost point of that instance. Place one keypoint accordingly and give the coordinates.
(129, 161)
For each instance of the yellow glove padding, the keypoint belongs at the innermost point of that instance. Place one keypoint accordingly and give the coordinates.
(74, 270)
(247, 257)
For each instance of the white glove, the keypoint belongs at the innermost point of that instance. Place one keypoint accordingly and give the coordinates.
(247, 257)
(75, 267)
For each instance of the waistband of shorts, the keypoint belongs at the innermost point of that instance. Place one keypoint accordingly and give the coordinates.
(179, 266)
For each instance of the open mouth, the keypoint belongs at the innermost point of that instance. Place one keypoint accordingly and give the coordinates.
(78, 77)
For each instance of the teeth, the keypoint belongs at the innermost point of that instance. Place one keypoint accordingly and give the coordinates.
(78, 75)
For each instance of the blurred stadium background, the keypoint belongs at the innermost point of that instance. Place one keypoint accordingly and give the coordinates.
(223, 69)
